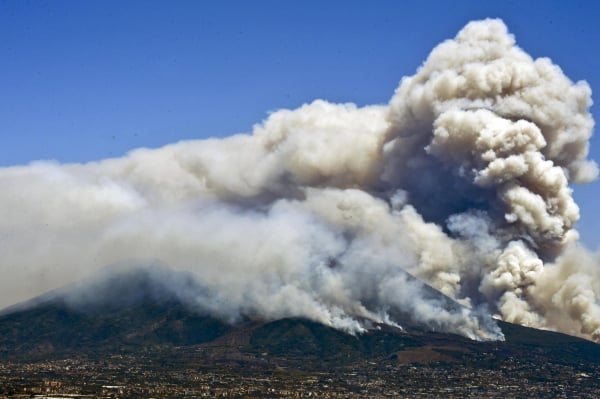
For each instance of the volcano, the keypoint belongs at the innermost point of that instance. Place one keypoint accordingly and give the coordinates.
(129, 330)
(137, 311)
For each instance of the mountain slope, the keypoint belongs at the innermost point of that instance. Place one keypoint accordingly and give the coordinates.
(56, 331)
(135, 313)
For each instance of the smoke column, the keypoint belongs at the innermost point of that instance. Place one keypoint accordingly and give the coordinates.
(328, 210)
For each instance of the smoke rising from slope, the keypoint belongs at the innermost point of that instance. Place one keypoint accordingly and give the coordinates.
(461, 181)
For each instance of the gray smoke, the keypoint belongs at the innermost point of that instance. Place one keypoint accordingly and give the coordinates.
(327, 211)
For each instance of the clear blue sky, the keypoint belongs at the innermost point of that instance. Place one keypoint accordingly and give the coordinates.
(83, 80)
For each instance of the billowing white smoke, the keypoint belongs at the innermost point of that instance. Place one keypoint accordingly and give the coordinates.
(326, 211)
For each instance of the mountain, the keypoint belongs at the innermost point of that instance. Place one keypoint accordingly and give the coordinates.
(133, 312)
(132, 336)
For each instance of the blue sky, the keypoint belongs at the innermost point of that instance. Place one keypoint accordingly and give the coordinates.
(83, 80)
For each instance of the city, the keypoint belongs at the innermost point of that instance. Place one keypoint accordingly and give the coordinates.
(185, 372)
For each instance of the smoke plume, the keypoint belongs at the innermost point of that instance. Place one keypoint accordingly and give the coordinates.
(328, 211)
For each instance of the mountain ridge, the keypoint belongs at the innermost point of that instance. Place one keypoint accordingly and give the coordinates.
(151, 318)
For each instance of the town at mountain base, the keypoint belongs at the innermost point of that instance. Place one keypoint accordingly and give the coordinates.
(155, 345)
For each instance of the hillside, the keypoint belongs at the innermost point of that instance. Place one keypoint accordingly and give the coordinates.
(152, 344)
(50, 327)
